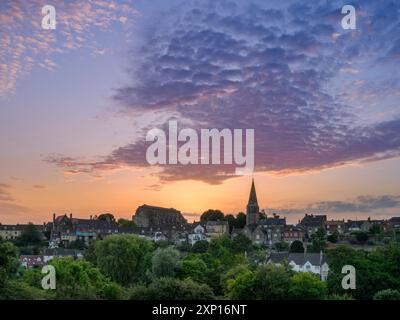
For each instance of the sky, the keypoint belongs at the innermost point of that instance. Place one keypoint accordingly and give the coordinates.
(77, 102)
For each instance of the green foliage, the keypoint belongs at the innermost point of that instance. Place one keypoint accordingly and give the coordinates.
(375, 271)
(195, 268)
(78, 244)
(8, 261)
(240, 220)
(186, 247)
(125, 223)
(230, 218)
(109, 217)
(90, 253)
(30, 236)
(339, 297)
(172, 289)
(200, 246)
(272, 282)
(19, 290)
(212, 215)
(307, 286)
(241, 243)
(297, 247)
(318, 241)
(282, 246)
(388, 294)
(361, 236)
(240, 283)
(123, 257)
(375, 229)
(78, 279)
(334, 237)
(165, 262)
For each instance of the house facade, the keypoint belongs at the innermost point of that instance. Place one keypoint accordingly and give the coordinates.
(315, 263)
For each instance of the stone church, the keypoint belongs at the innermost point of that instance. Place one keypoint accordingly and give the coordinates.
(152, 216)
(267, 231)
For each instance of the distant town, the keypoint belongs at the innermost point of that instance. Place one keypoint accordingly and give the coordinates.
(67, 235)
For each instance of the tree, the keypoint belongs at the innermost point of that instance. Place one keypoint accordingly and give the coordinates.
(320, 234)
(78, 244)
(78, 279)
(241, 243)
(282, 246)
(125, 223)
(184, 247)
(272, 282)
(200, 246)
(361, 236)
(19, 290)
(108, 217)
(195, 268)
(230, 218)
(375, 271)
(307, 286)
(212, 215)
(388, 294)
(165, 262)
(375, 229)
(172, 289)
(30, 235)
(334, 237)
(297, 247)
(123, 258)
(240, 283)
(318, 240)
(8, 261)
(240, 220)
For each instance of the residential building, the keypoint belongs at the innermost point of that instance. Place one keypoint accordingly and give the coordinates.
(311, 223)
(292, 233)
(315, 263)
(332, 226)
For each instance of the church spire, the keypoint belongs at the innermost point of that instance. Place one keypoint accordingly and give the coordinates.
(253, 195)
(252, 212)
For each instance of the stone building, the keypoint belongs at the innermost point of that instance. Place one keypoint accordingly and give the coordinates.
(311, 223)
(151, 216)
(66, 229)
(252, 210)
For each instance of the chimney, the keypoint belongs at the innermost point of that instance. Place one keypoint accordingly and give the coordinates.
(70, 216)
(91, 217)
(320, 257)
(54, 217)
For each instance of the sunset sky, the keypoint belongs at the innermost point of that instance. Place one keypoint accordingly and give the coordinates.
(76, 104)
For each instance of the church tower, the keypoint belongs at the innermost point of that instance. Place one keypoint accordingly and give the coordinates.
(253, 211)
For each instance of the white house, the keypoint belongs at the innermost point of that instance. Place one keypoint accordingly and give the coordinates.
(198, 234)
(302, 262)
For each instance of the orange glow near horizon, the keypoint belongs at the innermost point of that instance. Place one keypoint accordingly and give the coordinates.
(122, 192)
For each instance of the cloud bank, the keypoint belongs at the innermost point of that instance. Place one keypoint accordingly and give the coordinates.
(289, 71)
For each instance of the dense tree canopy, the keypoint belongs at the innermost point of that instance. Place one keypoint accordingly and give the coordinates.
(307, 286)
(297, 247)
(30, 235)
(165, 262)
(212, 215)
(127, 266)
(172, 289)
(375, 271)
(123, 257)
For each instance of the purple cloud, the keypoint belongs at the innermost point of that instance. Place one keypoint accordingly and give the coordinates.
(281, 69)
